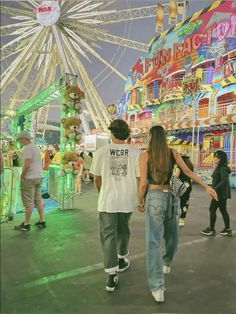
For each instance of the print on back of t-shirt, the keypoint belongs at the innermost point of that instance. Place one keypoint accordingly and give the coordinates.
(118, 163)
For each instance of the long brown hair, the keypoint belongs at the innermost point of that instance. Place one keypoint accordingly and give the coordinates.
(158, 154)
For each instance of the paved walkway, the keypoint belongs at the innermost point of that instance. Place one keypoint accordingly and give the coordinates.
(60, 270)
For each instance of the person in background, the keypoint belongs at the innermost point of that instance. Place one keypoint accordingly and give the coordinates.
(46, 158)
(57, 156)
(12, 155)
(116, 171)
(220, 182)
(51, 152)
(78, 178)
(156, 169)
(30, 182)
(91, 156)
(87, 164)
(184, 199)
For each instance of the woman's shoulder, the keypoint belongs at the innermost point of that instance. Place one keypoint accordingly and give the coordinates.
(225, 169)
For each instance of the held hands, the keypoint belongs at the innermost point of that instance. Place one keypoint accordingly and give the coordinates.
(211, 192)
(141, 207)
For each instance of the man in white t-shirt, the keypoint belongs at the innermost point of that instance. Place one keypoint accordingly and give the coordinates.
(116, 173)
(30, 183)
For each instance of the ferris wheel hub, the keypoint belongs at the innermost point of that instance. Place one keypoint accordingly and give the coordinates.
(48, 13)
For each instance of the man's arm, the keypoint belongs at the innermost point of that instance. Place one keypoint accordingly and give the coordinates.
(98, 182)
(26, 165)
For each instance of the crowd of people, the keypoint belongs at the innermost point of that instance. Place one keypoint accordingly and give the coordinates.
(128, 179)
(13, 156)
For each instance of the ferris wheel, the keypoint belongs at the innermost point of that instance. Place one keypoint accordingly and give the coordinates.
(50, 38)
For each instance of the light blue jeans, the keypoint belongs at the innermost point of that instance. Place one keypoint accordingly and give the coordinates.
(161, 223)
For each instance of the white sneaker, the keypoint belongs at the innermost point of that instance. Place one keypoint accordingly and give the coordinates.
(158, 295)
(166, 269)
(181, 222)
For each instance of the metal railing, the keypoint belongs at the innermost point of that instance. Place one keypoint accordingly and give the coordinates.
(229, 68)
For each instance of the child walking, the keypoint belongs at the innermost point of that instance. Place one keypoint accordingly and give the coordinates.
(221, 184)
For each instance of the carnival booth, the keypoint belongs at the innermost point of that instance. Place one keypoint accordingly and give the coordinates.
(187, 82)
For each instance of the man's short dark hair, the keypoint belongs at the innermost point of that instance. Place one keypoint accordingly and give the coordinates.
(119, 129)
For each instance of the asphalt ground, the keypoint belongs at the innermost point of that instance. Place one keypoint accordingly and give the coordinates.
(60, 270)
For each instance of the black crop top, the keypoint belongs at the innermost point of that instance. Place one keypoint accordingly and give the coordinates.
(170, 172)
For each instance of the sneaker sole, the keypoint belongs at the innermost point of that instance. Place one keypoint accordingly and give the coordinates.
(160, 300)
(123, 269)
(208, 234)
(225, 235)
(25, 230)
(109, 289)
(167, 272)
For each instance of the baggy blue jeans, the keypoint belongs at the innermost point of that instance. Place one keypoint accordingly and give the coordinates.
(161, 223)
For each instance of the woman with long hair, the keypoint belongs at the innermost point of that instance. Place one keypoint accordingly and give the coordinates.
(221, 184)
(156, 168)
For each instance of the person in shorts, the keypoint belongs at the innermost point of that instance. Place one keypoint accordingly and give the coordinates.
(30, 182)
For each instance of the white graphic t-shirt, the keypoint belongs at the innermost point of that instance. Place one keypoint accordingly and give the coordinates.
(118, 165)
(32, 152)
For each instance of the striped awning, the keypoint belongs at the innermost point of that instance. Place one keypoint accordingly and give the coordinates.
(173, 97)
(229, 80)
(206, 87)
(153, 102)
(177, 141)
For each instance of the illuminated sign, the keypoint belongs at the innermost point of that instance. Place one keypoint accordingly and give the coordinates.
(191, 43)
(190, 28)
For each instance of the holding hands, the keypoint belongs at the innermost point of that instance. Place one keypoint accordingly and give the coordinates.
(211, 192)
(141, 207)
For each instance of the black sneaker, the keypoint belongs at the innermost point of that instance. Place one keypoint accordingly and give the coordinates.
(40, 225)
(208, 231)
(226, 232)
(124, 264)
(22, 227)
(112, 282)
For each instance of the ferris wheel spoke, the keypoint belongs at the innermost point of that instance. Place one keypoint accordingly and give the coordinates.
(22, 82)
(6, 29)
(14, 11)
(44, 49)
(34, 3)
(108, 3)
(97, 34)
(93, 52)
(94, 95)
(27, 34)
(37, 84)
(27, 5)
(10, 51)
(10, 72)
(26, 73)
(75, 45)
